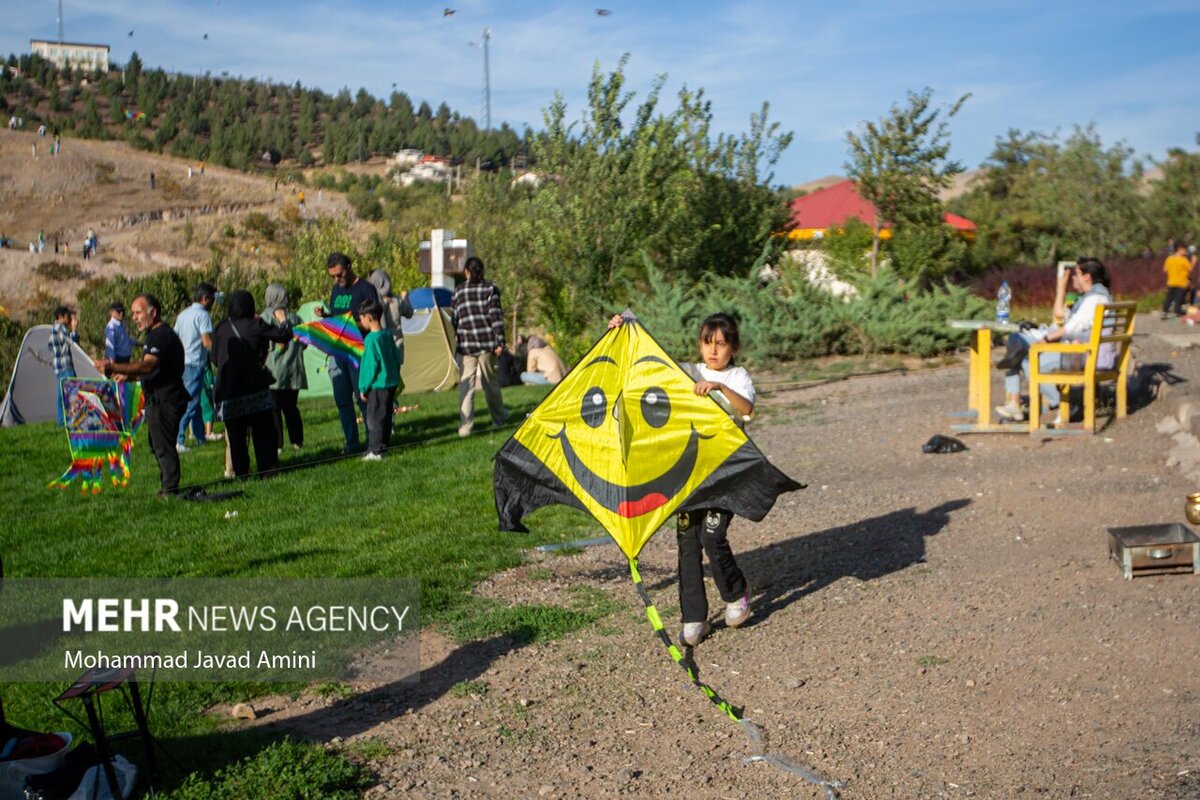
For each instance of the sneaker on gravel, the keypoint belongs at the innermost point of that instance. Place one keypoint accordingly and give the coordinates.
(694, 633)
(1010, 412)
(738, 611)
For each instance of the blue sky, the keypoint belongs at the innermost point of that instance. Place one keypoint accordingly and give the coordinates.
(1132, 68)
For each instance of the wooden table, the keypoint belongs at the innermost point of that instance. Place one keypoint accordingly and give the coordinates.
(979, 379)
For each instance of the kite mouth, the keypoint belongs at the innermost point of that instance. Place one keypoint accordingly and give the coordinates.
(633, 501)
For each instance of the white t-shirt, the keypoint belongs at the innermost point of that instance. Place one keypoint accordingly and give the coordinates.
(736, 378)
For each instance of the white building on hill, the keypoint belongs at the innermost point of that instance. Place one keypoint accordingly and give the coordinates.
(77, 54)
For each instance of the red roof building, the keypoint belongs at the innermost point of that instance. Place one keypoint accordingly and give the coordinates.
(816, 213)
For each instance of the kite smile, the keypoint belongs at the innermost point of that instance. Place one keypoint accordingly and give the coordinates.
(633, 501)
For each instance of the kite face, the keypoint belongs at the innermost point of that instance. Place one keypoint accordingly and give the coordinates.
(624, 437)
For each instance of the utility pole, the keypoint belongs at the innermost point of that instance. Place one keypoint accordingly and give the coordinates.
(487, 74)
(60, 25)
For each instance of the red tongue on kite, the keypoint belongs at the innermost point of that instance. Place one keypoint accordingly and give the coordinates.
(635, 508)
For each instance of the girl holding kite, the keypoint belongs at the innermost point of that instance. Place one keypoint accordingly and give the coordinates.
(705, 530)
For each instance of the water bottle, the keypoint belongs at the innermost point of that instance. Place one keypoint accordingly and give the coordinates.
(1003, 301)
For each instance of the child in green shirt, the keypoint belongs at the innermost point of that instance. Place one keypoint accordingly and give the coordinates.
(378, 378)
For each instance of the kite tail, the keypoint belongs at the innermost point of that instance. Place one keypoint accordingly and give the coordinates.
(85, 470)
(657, 624)
(752, 731)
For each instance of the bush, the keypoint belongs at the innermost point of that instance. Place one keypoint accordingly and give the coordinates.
(259, 224)
(1033, 286)
(11, 333)
(58, 271)
(366, 205)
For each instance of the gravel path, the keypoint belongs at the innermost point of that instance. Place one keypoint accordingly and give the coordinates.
(925, 626)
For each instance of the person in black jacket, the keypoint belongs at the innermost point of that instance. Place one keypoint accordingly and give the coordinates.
(243, 390)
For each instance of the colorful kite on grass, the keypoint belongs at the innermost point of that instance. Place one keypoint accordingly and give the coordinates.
(134, 116)
(101, 418)
(334, 336)
(625, 438)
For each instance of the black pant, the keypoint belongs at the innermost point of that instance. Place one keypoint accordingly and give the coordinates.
(1175, 297)
(705, 529)
(379, 418)
(285, 409)
(162, 422)
(262, 430)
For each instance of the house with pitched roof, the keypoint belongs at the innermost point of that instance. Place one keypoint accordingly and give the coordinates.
(823, 211)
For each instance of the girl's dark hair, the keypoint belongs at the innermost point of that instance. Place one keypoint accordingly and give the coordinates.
(1095, 269)
(726, 324)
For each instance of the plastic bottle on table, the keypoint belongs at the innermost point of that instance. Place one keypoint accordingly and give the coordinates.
(1003, 302)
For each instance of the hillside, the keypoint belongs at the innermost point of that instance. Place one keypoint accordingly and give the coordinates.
(105, 186)
(236, 122)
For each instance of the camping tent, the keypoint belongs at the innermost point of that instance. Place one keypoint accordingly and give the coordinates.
(32, 391)
(429, 364)
(314, 361)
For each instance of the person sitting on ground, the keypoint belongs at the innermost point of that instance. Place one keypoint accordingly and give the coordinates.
(507, 371)
(378, 379)
(1089, 278)
(243, 391)
(542, 364)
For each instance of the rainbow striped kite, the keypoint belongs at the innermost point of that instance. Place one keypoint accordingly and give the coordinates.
(101, 418)
(134, 116)
(335, 336)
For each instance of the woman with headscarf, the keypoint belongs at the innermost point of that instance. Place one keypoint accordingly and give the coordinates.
(394, 307)
(285, 360)
(243, 390)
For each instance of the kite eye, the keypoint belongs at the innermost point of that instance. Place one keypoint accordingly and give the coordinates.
(595, 404)
(656, 407)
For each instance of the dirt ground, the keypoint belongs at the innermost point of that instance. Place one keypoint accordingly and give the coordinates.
(105, 186)
(925, 626)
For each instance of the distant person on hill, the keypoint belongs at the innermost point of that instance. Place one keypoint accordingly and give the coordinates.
(161, 373)
(285, 360)
(378, 379)
(479, 333)
(61, 336)
(118, 344)
(347, 296)
(152, 180)
(195, 329)
(243, 391)
(542, 364)
(300, 199)
(1178, 268)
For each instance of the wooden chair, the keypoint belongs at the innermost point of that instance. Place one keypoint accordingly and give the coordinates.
(1112, 325)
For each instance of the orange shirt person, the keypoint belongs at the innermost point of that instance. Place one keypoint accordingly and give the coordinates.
(1178, 268)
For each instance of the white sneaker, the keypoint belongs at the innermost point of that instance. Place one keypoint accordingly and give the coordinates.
(1010, 412)
(738, 611)
(372, 457)
(694, 633)
(215, 437)
(464, 431)
(181, 448)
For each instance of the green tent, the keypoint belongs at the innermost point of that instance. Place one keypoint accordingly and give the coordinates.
(314, 361)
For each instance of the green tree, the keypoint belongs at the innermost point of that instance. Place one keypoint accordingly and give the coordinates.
(1174, 201)
(900, 163)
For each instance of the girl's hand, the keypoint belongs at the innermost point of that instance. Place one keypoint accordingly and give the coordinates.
(615, 322)
(704, 387)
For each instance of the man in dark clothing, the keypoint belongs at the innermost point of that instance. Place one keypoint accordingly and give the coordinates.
(161, 374)
(348, 294)
(479, 332)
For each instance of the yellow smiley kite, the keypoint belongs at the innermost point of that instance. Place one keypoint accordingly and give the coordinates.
(625, 438)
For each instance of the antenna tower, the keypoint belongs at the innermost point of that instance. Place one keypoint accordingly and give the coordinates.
(487, 81)
(60, 23)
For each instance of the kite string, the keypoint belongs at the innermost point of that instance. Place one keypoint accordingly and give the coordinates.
(752, 731)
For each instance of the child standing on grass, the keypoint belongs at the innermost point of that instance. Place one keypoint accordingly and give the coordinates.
(378, 378)
(705, 530)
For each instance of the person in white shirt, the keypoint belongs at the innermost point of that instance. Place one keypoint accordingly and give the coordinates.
(704, 531)
(1089, 277)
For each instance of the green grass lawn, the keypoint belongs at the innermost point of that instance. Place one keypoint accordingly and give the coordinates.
(426, 511)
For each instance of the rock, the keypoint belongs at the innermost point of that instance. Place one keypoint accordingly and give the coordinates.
(242, 711)
(1167, 425)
